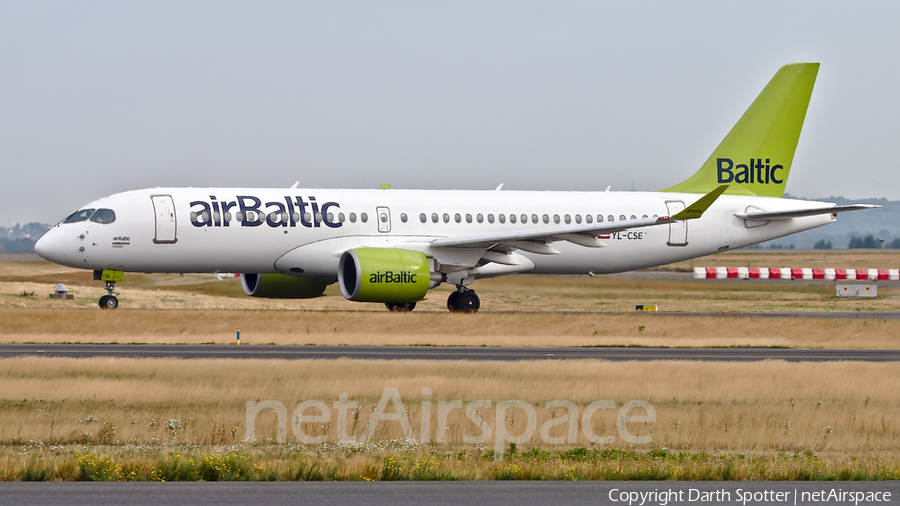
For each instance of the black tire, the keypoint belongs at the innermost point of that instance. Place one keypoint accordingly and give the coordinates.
(109, 302)
(467, 302)
(451, 302)
(400, 307)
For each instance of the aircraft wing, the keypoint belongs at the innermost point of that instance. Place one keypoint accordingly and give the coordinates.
(587, 234)
(535, 240)
(798, 213)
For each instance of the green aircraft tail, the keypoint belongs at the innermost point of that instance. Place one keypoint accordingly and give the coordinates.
(755, 157)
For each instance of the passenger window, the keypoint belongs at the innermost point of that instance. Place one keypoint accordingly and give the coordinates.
(578, 219)
(524, 218)
(633, 217)
(644, 217)
(352, 217)
(319, 218)
(588, 218)
(77, 216)
(341, 217)
(556, 219)
(512, 218)
(611, 218)
(329, 216)
(502, 218)
(479, 218)
(227, 217)
(490, 218)
(468, 218)
(104, 216)
(296, 217)
(423, 218)
(363, 217)
(568, 219)
(434, 217)
(306, 216)
(446, 218)
(534, 219)
(383, 217)
(621, 217)
(546, 219)
(239, 216)
(457, 218)
(403, 217)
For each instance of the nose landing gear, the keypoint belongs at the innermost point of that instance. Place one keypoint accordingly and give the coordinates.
(463, 301)
(109, 301)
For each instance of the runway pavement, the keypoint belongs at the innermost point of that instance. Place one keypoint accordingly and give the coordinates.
(442, 353)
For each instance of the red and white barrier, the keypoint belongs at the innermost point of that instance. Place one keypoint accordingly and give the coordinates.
(794, 273)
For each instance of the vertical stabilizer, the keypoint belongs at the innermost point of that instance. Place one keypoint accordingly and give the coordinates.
(755, 157)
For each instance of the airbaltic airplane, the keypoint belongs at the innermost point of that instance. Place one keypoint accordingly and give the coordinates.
(392, 246)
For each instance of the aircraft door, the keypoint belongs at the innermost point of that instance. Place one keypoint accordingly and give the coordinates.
(384, 219)
(164, 215)
(677, 229)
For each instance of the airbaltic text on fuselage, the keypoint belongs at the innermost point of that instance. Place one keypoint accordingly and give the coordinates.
(754, 172)
(250, 211)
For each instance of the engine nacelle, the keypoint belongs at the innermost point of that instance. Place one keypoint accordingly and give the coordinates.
(281, 286)
(385, 275)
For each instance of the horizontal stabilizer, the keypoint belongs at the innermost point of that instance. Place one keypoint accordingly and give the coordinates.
(799, 213)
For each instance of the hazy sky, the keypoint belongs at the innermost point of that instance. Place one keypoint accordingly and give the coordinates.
(102, 97)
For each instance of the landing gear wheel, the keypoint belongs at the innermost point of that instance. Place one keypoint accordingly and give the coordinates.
(400, 307)
(463, 302)
(451, 302)
(109, 302)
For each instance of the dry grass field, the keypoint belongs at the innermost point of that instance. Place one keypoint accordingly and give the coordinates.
(169, 419)
(766, 419)
(212, 311)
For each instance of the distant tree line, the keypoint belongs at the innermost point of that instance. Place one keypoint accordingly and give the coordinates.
(869, 242)
(21, 238)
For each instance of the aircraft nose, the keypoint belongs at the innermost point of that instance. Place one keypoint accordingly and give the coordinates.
(46, 245)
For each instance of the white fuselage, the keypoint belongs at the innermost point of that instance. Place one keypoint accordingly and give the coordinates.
(305, 231)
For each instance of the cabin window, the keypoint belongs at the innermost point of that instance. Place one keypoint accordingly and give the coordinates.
(423, 218)
(621, 217)
(524, 218)
(534, 219)
(352, 217)
(490, 218)
(479, 218)
(512, 218)
(578, 219)
(457, 218)
(588, 218)
(446, 218)
(468, 218)
(546, 219)
(434, 217)
(633, 217)
(610, 218)
(341, 217)
(644, 217)
(556, 219)
(403, 217)
(501, 218)
(568, 219)
(363, 217)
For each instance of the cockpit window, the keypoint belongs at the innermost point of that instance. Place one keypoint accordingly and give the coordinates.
(81, 215)
(104, 216)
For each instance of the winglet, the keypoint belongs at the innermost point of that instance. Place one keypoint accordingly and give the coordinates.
(697, 209)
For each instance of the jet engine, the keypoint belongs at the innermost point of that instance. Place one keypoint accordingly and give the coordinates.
(281, 286)
(388, 275)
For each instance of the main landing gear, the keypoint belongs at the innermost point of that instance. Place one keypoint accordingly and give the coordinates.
(463, 300)
(109, 301)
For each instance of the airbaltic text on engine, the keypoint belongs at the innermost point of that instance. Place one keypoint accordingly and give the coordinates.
(391, 277)
(754, 172)
(250, 212)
